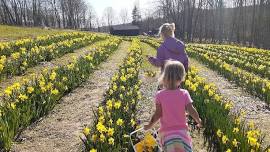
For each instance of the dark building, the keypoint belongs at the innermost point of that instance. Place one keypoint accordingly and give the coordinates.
(125, 30)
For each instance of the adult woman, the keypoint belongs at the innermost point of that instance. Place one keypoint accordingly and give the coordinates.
(170, 49)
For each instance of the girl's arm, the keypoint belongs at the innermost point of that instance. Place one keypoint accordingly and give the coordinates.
(194, 114)
(155, 117)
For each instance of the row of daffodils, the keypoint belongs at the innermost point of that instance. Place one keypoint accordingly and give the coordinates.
(251, 62)
(7, 48)
(27, 101)
(116, 117)
(19, 61)
(255, 84)
(224, 131)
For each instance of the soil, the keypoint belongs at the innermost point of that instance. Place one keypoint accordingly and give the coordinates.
(59, 131)
(256, 109)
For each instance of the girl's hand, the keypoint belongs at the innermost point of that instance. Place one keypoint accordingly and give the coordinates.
(199, 123)
(147, 127)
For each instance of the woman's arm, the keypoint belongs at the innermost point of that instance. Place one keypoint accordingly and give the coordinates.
(159, 59)
(155, 117)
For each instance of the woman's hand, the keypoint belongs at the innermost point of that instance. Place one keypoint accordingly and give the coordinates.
(150, 59)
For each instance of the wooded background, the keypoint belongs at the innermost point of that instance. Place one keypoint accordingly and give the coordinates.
(245, 22)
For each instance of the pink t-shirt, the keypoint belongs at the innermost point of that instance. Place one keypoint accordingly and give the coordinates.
(173, 104)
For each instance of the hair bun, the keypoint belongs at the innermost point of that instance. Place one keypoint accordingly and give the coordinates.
(172, 26)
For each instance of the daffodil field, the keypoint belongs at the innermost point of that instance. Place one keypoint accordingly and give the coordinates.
(228, 132)
(24, 102)
(254, 83)
(116, 116)
(224, 130)
(30, 54)
(28, 97)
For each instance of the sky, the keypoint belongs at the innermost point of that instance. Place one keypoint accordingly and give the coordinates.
(117, 5)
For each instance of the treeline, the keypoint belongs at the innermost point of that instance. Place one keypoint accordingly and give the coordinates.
(51, 13)
(217, 21)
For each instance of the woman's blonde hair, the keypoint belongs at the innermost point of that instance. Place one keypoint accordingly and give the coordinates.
(167, 30)
(174, 72)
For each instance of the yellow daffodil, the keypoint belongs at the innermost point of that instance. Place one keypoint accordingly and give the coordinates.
(224, 139)
(94, 137)
(119, 122)
(93, 150)
(23, 97)
(111, 141)
(86, 131)
(228, 150)
(219, 133)
(117, 104)
(110, 132)
(102, 138)
(235, 143)
(30, 90)
(235, 130)
(54, 92)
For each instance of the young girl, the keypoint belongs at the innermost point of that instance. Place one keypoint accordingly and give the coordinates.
(171, 48)
(171, 105)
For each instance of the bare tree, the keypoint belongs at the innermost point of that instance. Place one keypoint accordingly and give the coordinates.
(124, 15)
(109, 16)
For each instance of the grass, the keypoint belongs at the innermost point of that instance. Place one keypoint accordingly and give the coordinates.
(9, 33)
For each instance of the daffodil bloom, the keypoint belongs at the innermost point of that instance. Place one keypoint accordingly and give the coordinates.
(149, 140)
(102, 138)
(132, 122)
(23, 97)
(123, 78)
(228, 150)
(64, 78)
(110, 132)
(8, 91)
(101, 119)
(109, 104)
(54, 92)
(219, 133)
(93, 150)
(235, 143)
(224, 139)
(235, 130)
(101, 128)
(117, 104)
(86, 131)
(114, 87)
(119, 122)
(30, 90)
(13, 105)
(252, 141)
(111, 121)
(111, 141)
(100, 110)
(94, 137)
(237, 121)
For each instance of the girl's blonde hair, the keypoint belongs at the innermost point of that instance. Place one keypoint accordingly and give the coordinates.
(174, 72)
(167, 30)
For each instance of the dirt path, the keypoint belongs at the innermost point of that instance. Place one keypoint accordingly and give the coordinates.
(60, 130)
(147, 106)
(256, 109)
